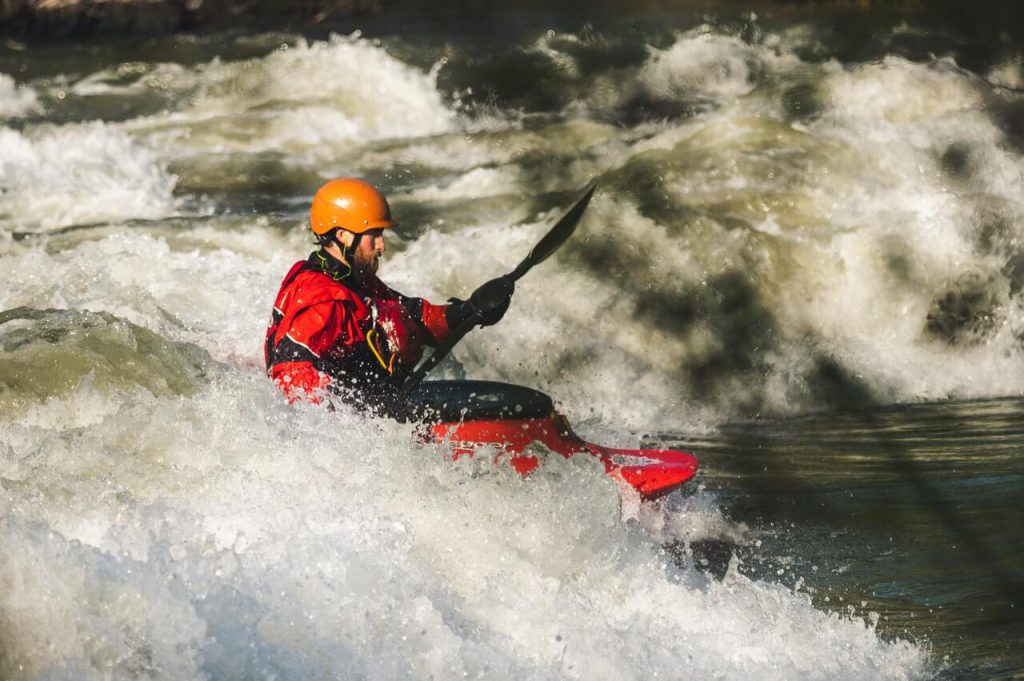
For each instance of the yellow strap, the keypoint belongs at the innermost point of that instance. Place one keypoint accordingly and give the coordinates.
(389, 366)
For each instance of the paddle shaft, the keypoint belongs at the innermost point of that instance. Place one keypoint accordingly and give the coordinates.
(551, 242)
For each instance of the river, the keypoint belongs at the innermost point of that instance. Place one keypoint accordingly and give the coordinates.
(804, 262)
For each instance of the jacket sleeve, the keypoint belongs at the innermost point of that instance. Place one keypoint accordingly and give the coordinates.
(310, 335)
(300, 381)
(431, 317)
(435, 321)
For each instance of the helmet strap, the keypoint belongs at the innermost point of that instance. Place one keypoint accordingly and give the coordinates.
(326, 238)
(351, 250)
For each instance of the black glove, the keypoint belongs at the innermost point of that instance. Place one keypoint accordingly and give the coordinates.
(488, 303)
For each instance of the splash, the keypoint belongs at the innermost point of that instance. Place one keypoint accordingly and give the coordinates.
(365, 554)
(705, 64)
(16, 101)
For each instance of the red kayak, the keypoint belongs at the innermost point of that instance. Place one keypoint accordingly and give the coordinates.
(471, 414)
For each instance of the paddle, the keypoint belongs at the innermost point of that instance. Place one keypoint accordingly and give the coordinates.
(551, 242)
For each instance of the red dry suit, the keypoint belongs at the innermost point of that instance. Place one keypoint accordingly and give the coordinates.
(330, 331)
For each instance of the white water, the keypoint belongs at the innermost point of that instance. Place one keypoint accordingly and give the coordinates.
(234, 535)
(181, 521)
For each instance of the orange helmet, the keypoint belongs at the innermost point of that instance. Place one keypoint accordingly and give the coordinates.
(349, 204)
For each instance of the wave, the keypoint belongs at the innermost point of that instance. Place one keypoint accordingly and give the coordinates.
(309, 100)
(792, 236)
(812, 236)
(53, 177)
(46, 354)
(166, 285)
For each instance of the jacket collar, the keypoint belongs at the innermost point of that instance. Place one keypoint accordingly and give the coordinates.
(338, 270)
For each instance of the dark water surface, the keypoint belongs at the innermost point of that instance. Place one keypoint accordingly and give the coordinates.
(909, 514)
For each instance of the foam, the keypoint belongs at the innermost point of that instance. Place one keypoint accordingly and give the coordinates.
(500, 145)
(896, 120)
(57, 176)
(476, 183)
(850, 227)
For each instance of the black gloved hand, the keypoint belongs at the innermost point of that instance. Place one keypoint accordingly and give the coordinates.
(488, 303)
(492, 299)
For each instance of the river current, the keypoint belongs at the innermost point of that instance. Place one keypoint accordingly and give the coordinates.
(805, 267)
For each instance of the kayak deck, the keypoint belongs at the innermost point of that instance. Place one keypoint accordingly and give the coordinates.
(471, 414)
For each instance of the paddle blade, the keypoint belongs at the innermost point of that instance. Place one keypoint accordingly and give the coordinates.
(556, 236)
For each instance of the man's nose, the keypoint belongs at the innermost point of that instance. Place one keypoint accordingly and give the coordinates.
(379, 243)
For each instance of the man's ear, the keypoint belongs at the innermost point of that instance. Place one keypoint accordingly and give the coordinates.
(345, 237)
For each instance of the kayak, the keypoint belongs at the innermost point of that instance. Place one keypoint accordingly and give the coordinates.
(468, 415)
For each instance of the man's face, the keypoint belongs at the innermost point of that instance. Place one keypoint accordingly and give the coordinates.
(366, 258)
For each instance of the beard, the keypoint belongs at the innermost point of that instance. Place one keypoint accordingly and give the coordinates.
(365, 263)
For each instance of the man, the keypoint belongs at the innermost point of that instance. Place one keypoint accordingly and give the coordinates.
(337, 329)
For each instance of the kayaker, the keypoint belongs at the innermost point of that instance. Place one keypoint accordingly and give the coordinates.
(338, 330)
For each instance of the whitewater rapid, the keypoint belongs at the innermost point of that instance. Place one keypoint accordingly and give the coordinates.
(784, 236)
(236, 536)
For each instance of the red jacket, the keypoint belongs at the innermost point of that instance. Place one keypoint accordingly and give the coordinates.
(329, 331)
